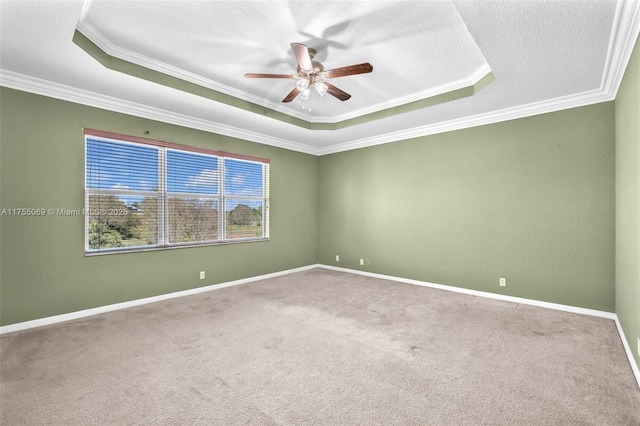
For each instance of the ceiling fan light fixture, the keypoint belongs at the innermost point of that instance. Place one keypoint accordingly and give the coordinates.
(302, 84)
(321, 88)
(304, 95)
(312, 73)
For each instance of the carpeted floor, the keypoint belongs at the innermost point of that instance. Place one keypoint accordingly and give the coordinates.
(320, 348)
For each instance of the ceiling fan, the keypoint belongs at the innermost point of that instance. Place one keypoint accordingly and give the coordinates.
(311, 73)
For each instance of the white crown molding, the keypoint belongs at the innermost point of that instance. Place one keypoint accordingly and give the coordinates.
(113, 50)
(623, 39)
(462, 83)
(84, 97)
(511, 113)
(55, 90)
(626, 27)
(135, 58)
(68, 93)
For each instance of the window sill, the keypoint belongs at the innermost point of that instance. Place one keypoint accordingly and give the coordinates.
(171, 247)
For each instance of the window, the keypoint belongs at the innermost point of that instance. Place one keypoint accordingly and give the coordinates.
(142, 194)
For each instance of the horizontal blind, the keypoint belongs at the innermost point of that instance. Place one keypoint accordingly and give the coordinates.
(193, 197)
(244, 192)
(122, 195)
(141, 193)
(117, 165)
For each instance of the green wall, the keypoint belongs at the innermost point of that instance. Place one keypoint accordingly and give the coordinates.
(43, 270)
(628, 203)
(531, 200)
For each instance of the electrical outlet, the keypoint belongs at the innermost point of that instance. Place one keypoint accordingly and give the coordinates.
(503, 282)
(337, 258)
(202, 275)
(362, 261)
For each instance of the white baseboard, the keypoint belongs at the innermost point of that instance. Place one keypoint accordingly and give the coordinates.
(117, 306)
(557, 306)
(548, 305)
(628, 351)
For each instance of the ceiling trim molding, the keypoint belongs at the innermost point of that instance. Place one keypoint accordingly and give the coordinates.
(38, 86)
(626, 28)
(506, 114)
(67, 93)
(103, 43)
(441, 98)
(113, 57)
(96, 37)
(433, 92)
(623, 39)
(158, 77)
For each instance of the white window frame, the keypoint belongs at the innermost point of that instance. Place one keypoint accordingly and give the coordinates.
(164, 195)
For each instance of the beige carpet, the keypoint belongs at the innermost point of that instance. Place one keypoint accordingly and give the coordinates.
(320, 348)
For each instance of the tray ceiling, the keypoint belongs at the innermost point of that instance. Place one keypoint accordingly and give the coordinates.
(212, 44)
(544, 56)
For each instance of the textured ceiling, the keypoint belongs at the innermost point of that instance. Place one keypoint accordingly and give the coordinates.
(215, 43)
(544, 56)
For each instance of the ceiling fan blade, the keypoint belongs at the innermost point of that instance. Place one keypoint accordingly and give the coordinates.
(257, 75)
(292, 95)
(350, 70)
(302, 55)
(334, 91)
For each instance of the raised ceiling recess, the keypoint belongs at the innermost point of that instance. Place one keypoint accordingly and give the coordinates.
(205, 48)
(546, 56)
